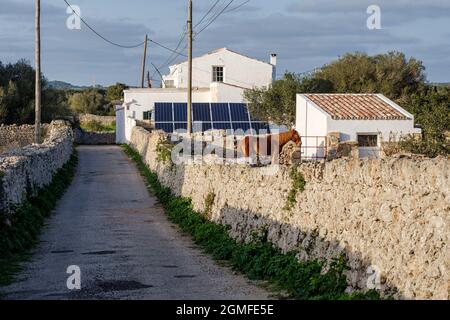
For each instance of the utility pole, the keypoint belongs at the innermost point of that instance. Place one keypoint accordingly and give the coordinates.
(37, 121)
(149, 82)
(143, 61)
(189, 93)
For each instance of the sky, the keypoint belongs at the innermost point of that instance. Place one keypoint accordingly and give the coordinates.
(305, 34)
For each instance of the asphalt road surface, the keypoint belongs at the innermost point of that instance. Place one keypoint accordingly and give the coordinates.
(109, 226)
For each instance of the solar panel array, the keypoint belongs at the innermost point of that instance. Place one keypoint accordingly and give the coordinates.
(170, 117)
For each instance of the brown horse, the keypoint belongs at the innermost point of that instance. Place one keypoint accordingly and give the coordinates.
(270, 145)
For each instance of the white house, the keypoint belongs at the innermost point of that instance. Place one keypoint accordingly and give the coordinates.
(219, 76)
(223, 66)
(368, 119)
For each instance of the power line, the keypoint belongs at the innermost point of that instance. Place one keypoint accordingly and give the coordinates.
(117, 44)
(167, 48)
(210, 21)
(237, 7)
(215, 18)
(160, 74)
(206, 14)
(99, 35)
(170, 59)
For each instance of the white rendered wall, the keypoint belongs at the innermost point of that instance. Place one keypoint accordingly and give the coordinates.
(221, 92)
(311, 124)
(120, 125)
(386, 129)
(238, 70)
(312, 121)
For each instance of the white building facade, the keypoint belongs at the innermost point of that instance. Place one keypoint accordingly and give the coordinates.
(219, 76)
(368, 119)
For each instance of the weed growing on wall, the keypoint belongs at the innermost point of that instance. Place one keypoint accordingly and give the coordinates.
(164, 152)
(209, 202)
(259, 259)
(20, 229)
(298, 185)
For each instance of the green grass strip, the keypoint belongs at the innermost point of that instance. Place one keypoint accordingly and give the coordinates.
(21, 233)
(258, 260)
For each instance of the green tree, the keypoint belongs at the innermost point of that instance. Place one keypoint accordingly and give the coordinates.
(17, 96)
(115, 92)
(55, 104)
(390, 74)
(88, 101)
(431, 108)
(277, 103)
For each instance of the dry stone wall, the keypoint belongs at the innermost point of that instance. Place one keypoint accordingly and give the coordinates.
(390, 217)
(24, 171)
(104, 120)
(94, 138)
(14, 136)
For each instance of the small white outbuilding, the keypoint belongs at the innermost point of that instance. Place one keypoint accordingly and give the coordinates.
(368, 119)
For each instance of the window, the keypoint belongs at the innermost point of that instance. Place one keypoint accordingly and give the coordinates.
(368, 140)
(217, 74)
(147, 115)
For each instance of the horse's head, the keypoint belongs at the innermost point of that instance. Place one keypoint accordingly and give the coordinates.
(296, 138)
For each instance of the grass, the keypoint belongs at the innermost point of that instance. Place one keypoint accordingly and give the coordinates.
(97, 126)
(259, 259)
(21, 232)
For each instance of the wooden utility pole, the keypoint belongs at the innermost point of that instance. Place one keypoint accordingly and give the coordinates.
(143, 61)
(37, 122)
(149, 81)
(189, 89)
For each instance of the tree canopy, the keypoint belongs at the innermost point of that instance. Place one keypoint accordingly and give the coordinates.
(88, 101)
(115, 92)
(401, 80)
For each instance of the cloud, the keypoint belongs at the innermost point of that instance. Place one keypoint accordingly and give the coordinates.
(306, 34)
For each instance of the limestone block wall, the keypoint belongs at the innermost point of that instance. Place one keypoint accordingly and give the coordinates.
(104, 120)
(94, 138)
(390, 217)
(24, 171)
(14, 136)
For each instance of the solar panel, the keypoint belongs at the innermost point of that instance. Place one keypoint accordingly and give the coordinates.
(222, 125)
(242, 126)
(180, 112)
(218, 116)
(260, 127)
(166, 127)
(201, 112)
(220, 112)
(180, 126)
(239, 112)
(163, 112)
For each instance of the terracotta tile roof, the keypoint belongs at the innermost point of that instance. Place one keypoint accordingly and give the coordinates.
(356, 107)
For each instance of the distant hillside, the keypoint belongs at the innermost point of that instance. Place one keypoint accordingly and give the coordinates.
(443, 84)
(68, 86)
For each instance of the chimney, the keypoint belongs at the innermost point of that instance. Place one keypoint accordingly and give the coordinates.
(273, 62)
(273, 59)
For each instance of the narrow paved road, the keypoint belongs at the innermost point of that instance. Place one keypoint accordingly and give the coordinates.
(109, 226)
